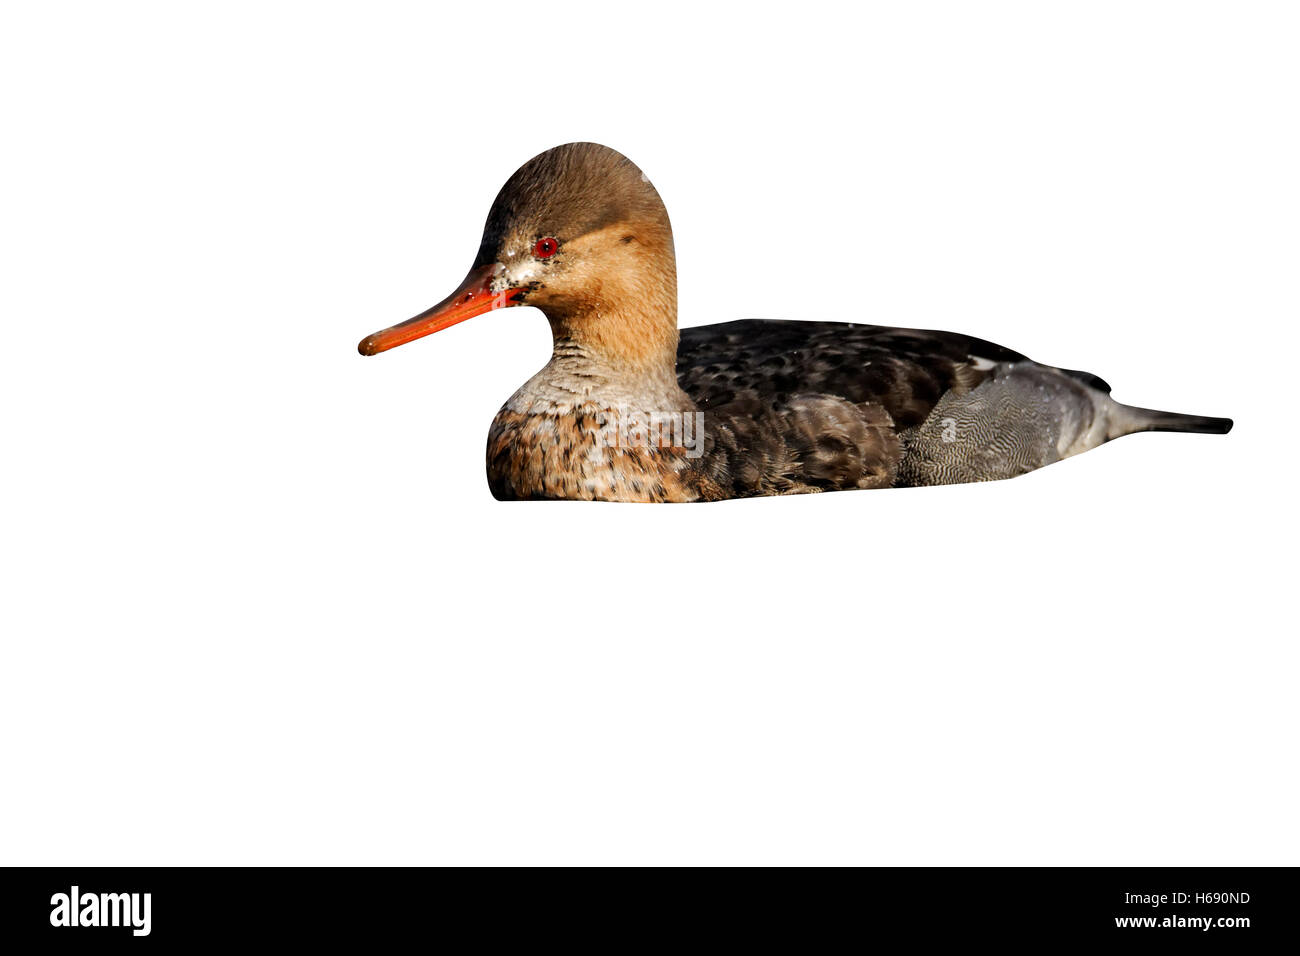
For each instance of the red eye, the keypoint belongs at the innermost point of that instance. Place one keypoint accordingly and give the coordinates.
(545, 248)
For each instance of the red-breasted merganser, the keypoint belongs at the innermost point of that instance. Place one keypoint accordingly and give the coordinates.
(628, 409)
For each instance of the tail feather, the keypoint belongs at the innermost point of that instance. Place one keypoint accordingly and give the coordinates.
(1135, 419)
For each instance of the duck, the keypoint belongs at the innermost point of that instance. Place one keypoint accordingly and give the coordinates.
(630, 408)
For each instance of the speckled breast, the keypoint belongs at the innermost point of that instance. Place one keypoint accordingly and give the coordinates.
(587, 454)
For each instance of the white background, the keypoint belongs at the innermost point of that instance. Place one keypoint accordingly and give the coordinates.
(260, 607)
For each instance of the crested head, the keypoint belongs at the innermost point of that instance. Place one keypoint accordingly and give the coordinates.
(570, 192)
(579, 232)
(583, 233)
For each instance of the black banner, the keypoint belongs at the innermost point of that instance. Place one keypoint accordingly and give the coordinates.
(1227, 909)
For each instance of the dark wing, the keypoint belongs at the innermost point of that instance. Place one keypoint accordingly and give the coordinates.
(806, 443)
(769, 362)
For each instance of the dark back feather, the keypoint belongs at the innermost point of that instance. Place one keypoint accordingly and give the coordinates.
(904, 371)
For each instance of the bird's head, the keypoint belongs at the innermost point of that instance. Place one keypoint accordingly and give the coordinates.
(580, 233)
